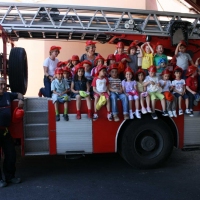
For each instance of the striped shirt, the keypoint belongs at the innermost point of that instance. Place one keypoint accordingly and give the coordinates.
(115, 83)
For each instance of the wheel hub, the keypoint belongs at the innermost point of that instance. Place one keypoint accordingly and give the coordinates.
(148, 143)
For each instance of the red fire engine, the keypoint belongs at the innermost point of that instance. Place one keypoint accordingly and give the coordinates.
(142, 142)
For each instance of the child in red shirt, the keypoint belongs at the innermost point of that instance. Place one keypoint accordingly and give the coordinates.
(100, 87)
(191, 86)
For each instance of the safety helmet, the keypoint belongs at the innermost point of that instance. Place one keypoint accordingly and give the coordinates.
(111, 57)
(78, 66)
(128, 69)
(66, 69)
(178, 69)
(191, 69)
(152, 68)
(100, 67)
(52, 48)
(86, 62)
(166, 71)
(158, 43)
(97, 58)
(120, 45)
(89, 42)
(183, 43)
(58, 71)
(139, 71)
(60, 63)
(18, 115)
(74, 58)
(113, 66)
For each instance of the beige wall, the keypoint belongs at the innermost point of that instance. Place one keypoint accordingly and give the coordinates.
(37, 50)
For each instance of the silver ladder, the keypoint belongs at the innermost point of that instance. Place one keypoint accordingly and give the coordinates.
(82, 22)
(36, 136)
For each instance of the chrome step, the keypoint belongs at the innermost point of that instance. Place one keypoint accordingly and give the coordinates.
(36, 153)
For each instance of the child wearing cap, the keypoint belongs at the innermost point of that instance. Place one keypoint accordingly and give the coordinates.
(182, 58)
(154, 90)
(133, 56)
(87, 66)
(99, 60)
(147, 58)
(110, 60)
(49, 66)
(191, 86)
(197, 64)
(116, 92)
(160, 60)
(59, 95)
(121, 59)
(166, 86)
(80, 88)
(100, 87)
(130, 89)
(67, 77)
(143, 94)
(179, 90)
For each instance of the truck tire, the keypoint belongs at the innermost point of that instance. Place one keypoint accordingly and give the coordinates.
(146, 143)
(18, 70)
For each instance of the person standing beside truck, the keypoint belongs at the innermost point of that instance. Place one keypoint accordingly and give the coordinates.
(6, 140)
(49, 66)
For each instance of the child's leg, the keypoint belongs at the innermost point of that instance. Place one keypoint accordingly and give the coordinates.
(153, 103)
(137, 106)
(108, 105)
(78, 102)
(78, 106)
(88, 101)
(179, 102)
(186, 103)
(163, 104)
(142, 101)
(66, 117)
(96, 98)
(113, 99)
(56, 111)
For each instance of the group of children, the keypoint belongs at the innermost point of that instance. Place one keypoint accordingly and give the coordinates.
(122, 78)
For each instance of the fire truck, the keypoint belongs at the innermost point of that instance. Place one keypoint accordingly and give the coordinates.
(144, 143)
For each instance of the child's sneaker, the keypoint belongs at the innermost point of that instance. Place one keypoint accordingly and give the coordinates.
(187, 111)
(174, 113)
(191, 113)
(126, 116)
(165, 113)
(170, 114)
(137, 114)
(78, 116)
(66, 117)
(154, 116)
(149, 110)
(57, 118)
(144, 111)
(116, 118)
(180, 112)
(109, 116)
(131, 116)
(95, 117)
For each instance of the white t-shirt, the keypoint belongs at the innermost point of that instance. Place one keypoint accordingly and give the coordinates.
(167, 86)
(178, 84)
(182, 60)
(100, 84)
(149, 78)
(51, 65)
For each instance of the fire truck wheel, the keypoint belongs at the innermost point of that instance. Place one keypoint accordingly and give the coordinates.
(147, 143)
(18, 70)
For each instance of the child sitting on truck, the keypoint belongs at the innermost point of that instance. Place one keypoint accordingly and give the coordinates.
(115, 87)
(179, 90)
(154, 89)
(60, 89)
(100, 87)
(192, 87)
(80, 88)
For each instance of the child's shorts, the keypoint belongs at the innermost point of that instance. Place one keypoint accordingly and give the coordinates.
(133, 97)
(60, 99)
(103, 93)
(156, 95)
(177, 95)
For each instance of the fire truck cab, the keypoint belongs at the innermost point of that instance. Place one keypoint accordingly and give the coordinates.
(144, 142)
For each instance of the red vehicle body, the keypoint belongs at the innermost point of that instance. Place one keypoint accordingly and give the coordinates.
(141, 142)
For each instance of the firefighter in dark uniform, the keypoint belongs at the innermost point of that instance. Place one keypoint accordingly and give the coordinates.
(6, 141)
